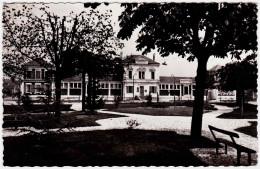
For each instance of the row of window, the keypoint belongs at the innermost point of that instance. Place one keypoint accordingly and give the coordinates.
(167, 86)
(112, 86)
(130, 89)
(36, 88)
(141, 74)
(35, 74)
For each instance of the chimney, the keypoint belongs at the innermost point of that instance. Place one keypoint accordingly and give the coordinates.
(154, 56)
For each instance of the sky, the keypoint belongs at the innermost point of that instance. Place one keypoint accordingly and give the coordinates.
(176, 66)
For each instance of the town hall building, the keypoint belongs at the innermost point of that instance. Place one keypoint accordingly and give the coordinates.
(141, 78)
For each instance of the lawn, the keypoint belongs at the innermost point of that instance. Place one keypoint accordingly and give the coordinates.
(35, 108)
(104, 148)
(73, 119)
(169, 111)
(250, 112)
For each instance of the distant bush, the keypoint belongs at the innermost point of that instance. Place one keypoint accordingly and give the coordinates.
(149, 99)
(100, 103)
(117, 100)
(26, 100)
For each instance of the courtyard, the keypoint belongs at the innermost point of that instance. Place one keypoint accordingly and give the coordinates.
(122, 138)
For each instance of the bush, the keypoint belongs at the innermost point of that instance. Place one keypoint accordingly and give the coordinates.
(149, 99)
(100, 103)
(26, 100)
(117, 100)
(132, 123)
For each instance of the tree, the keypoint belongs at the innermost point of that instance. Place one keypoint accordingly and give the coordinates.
(239, 76)
(96, 51)
(44, 37)
(196, 31)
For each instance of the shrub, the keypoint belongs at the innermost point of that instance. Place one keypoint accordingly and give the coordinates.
(26, 100)
(100, 103)
(149, 99)
(132, 123)
(117, 100)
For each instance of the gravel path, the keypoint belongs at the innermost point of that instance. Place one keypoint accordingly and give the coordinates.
(180, 124)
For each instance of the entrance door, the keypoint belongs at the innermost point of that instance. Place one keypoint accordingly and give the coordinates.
(186, 90)
(141, 91)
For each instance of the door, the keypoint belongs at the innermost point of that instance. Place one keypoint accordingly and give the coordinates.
(141, 91)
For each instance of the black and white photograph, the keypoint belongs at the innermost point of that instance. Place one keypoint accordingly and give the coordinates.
(129, 83)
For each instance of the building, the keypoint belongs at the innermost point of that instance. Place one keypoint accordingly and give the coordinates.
(141, 79)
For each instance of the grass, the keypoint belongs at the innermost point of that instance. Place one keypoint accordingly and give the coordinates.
(169, 111)
(73, 119)
(104, 148)
(249, 130)
(144, 104)
(250, 112)
(35, 108)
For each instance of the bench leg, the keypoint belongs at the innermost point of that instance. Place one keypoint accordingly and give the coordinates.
(249, 158)
(217, 144)
(225, 148)
(238, 157)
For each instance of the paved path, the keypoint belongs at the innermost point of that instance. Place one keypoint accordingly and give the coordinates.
(180, 124)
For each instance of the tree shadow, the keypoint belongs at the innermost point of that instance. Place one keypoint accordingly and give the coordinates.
(104, 148)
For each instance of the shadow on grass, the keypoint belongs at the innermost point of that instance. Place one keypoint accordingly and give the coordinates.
(104, 148)
(250, 112)
(249, 130)
(45, 121)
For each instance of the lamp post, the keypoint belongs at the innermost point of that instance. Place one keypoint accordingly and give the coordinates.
(173, 92)
(134, 86)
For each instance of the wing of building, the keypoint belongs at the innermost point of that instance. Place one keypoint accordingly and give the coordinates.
(141, 78)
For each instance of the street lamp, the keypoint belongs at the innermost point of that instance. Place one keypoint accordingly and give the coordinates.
(134, 86)
(173, 91)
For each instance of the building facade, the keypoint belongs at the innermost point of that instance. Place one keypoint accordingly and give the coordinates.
(141, 78)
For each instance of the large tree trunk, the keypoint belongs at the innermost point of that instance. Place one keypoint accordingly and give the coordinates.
(89, 91)
(197, 113)
(83, 90)
(57, 96)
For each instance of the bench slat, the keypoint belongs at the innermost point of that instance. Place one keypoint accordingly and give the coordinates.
(224, 131)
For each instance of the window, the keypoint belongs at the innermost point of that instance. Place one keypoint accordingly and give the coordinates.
(119, 86)
(38, 88)
(166, 86)
(102, 85)
(152, 75)
(106, 85)
(160, 86)
(42, 73)
(130, 74)
(38, 74)
(177, 86)
(29, 74)
(64, 85)
(163, 86)
(71, 85)
(111, 86)
(28, 88)
(115, 86)
(75, 85)
(141, 75)
(152, 89)
(129, 89)
(171, 86)
(79, 85)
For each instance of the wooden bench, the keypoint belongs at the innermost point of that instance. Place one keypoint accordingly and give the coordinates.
(231, 143)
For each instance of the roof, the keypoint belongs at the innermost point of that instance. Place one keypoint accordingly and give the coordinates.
(215, 68)
(169, 79)
(31, 63)
(150, 61)
(74, 78)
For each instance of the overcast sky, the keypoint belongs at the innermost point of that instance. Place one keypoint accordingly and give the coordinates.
(175, 65)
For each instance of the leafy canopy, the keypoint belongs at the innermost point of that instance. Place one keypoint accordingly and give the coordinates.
(192, 29)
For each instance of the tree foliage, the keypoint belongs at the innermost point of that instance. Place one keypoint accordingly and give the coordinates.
(239, 75)
(34, 32)
(192, 30)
